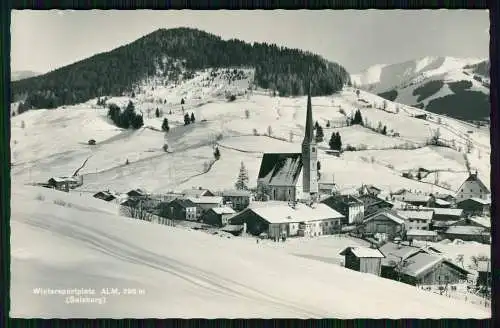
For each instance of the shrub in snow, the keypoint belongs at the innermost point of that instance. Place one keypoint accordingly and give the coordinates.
(231, 98)
(165, 127)
(192, 118)
(165, 148)
(247, 113)
(255, 133)
(61, 202)
(40, 197)
(23, 125)
(216, 153)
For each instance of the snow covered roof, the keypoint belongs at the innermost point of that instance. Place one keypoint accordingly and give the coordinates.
(280, 169)
(465, 230)
(206, 199)
(387, 214)
(283, 213)
(416, 214)
(63, 179)
(474, 178)
(223, 210)
(236, 193)
(482, 221)
(442, 202)
(447, 211)
(395, 252)
(420, 232)
(477, 200)
(363, 252)
(421, 263)
(195, 192)
(408, 197)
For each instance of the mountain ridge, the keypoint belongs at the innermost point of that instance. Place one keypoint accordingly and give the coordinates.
(442, 85)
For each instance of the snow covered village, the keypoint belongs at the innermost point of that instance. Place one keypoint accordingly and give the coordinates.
(198, 184)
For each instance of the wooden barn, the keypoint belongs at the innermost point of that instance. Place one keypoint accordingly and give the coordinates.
(238, 200)
(104, 195)
(475, 206)
(349, 206)
(373, 204)
(363, 259)
(179, 209)
(218, 216)
(384, 222)
(422, 235)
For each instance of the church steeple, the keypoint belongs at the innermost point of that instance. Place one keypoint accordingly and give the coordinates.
(309, 153)
(309, 135)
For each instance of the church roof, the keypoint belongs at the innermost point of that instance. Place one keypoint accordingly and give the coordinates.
(473, 177)
(309, 134)
(280, 169)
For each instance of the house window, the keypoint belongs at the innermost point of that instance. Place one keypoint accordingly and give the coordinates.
(313, 149)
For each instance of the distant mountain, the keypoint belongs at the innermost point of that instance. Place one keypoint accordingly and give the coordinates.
(20, 75)
(175, 55)
(455, 87)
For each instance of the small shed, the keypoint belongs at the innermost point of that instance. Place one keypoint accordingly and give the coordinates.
(363, 259)
(218, 216)
(386, 222)
(484, 273)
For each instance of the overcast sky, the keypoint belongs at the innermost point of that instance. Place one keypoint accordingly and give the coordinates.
(42, 41)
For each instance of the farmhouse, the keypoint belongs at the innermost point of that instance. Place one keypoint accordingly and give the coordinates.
(236, 199)
(218, 216)
(349, 206)
(475, 206)
(415, 266)
(439, 203)
(137, 193)
(373, 204)
(281, 219)
(416, 219)
(204, 203)
(363, 259)
(470, 229)
(424, 235)
(196, 192)
(104, 195)
(413, 199)
(65, 183)
(473, 187)
(179, 209)
(292, 176)
(384, 222)
(446, 214)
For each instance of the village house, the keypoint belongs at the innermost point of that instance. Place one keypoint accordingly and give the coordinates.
(349, 206)
(446, 214)
(416, 219)
(369, 190)
(414, 199)
(137, 193)
(104, 195)
(236, 199)
(363, 259)
(65, 183)
(218, 216)
(473, 187)
(373, 204)
(475, 206)
(292, 176)
(470, 229)
(179, 209)
(278, 219)
(327, 188)
(484, 273)
(384, 222)
(435, 202)
(415, 266)
(422, 235)
(446, 197)
(197, 192)
(204, 203)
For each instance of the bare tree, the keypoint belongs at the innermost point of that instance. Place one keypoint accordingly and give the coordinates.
(137, 211)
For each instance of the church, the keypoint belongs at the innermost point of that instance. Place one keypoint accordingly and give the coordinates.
(292, 176)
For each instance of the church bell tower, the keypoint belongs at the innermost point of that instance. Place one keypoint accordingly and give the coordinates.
(309, 154)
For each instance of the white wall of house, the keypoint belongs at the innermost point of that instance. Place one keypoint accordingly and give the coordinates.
(472, 189)
(413, 223)
(191, 213)
(356, 213)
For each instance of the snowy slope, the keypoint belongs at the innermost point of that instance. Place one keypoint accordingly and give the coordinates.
(65, 241)
(47, 143)
(425, 81)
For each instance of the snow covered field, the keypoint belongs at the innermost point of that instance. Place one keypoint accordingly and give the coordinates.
(67, 241)
(47, 143)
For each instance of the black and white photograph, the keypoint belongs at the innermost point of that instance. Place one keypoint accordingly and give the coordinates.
(250, 164)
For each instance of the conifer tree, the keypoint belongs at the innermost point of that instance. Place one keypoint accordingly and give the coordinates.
(192, 117)
(242, 180)
(216, 153)
(319, 134)
(187, 119)
(165, 126)
(157, 113)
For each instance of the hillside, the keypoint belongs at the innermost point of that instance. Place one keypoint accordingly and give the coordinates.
(171, 56)
(20, 75)
(66, 241)
(47, 143)
(449, 86)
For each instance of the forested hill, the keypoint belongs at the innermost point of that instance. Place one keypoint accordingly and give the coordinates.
(175, 53)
